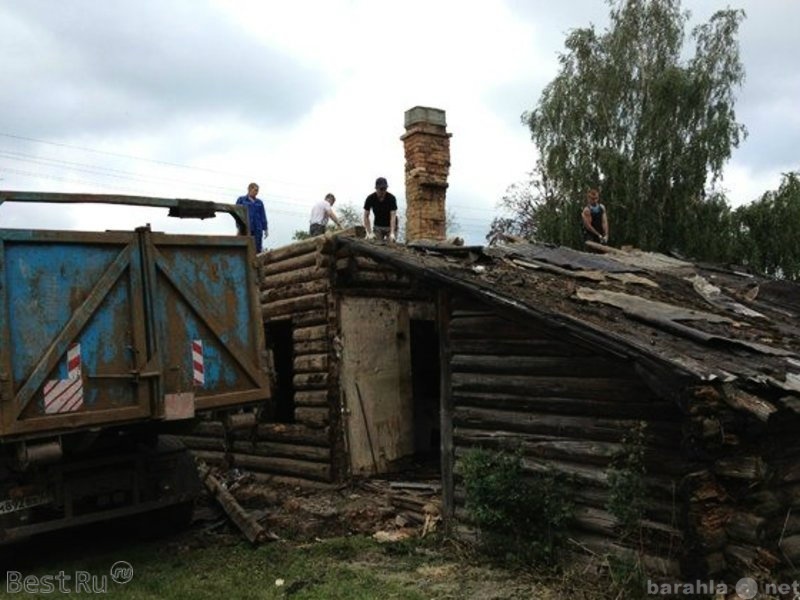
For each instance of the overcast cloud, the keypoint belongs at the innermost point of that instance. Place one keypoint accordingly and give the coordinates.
(196, 99)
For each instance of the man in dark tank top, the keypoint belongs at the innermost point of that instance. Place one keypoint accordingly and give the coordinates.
(594, 219)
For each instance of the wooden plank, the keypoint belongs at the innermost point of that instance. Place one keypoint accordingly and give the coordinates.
(309, 259)
(312, 398)
(313, 416)
(313, 317)
(294, 290)
(312, 273)
(388, 278)
(284, 466)
(588, 452)
(208, 428)
(290, 433)
(542, 365)
(517, 347)
(447, 458)
(587, 428)
(649, 410)
(310, 381)
(311, 363)
(315, 302)
(312, 347)
(203, 443)
(290, 251)
(306, 334)
(211, 457)
(600, 388)
(310, 453)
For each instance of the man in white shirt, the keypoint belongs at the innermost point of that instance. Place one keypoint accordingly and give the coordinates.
(320, 213)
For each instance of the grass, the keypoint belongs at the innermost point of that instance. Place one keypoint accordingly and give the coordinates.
(343, 568)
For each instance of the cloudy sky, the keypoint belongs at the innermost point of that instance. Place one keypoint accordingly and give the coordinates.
(194, 99)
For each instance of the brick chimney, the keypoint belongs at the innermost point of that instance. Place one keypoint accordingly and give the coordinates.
(427, 149)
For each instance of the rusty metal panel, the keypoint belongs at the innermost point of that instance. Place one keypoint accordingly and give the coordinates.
(70, 316)
(97, 328)
(203, 296)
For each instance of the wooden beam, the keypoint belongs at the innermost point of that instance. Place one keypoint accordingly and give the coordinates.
(445, 408)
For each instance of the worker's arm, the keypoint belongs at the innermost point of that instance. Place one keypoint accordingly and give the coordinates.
(393, 224)
(334, 218)
(587, 222)
(605, 224)
(367, 226)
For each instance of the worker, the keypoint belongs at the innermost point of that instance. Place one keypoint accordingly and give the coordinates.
(594, 219)
(256, 215)
(320, 213)
(383, 205)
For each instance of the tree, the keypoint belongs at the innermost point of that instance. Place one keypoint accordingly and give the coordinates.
(767, 237)
(628, 114)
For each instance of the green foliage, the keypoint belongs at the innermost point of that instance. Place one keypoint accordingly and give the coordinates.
(628, 113)
(627, 576)
(767, 231)
(520, 516)
(626, 481)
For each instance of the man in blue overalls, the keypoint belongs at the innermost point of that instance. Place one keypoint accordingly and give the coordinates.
(256, 214)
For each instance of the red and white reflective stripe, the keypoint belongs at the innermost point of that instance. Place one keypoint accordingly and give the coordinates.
(66, 395)
(197, 363)
(74, 362)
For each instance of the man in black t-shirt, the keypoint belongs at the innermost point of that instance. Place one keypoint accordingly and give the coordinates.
(384, 207)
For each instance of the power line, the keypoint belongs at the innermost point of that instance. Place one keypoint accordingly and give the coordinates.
(122, 174)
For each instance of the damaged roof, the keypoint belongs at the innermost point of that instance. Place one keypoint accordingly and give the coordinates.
(702, 321)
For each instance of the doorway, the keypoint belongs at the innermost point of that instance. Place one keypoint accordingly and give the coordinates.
(280, 341)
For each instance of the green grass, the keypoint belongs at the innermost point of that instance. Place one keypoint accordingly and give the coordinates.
(342, 568)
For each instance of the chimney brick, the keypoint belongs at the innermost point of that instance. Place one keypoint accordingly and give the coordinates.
(427, 151)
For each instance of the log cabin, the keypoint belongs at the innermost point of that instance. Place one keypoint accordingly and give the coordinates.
(385, 352)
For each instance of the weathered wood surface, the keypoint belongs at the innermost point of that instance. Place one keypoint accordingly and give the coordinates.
(598, 388)
(312, 333)
(203, 443)
(310, 381)
(251, 528)
(308, 246)
(311, 363)
(312, 347)
(515, 347)
(313, 416)
(581, 450)
(294, 290)
(258, 448)
(314, 316)
(289, 306)
(550, 366)
(312, 398)
(523, 401)
(294, 433)
(294, 277)
(301, 261)
(284, 466)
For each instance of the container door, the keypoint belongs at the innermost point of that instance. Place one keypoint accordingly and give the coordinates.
(206, 310)
(73, 348)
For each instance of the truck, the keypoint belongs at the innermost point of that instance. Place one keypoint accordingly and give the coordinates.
(110, 341)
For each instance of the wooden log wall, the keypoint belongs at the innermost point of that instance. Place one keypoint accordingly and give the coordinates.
(516, 387)
(363, 276)
(295, 286)
(744, 504)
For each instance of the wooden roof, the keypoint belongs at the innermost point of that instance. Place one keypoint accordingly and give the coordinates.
(702, 322)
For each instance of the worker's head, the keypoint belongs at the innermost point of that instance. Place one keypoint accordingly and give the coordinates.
(330, 199)
(593, 196)
(380, 186)
(252, 190)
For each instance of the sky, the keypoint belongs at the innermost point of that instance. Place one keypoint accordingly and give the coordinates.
(195, 99)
